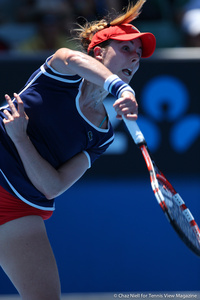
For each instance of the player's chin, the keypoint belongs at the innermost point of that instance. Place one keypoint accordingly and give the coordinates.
(126, 78)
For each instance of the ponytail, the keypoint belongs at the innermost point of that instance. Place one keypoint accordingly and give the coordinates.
(85, 33)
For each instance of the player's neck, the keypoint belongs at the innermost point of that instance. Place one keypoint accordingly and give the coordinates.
(93, 94)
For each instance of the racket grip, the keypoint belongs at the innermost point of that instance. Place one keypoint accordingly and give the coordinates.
(135, 131)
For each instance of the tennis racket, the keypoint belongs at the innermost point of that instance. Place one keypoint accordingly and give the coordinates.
(173, 206)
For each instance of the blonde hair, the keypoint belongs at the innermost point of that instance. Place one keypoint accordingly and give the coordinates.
(86, 32)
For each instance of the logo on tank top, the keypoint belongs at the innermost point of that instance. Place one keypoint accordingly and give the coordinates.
(90, 136)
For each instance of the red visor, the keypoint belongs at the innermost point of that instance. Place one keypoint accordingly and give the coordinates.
(125, 32)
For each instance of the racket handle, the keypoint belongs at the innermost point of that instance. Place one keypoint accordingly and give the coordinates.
(135, 131)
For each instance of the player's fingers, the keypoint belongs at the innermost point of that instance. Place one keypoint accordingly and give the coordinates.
(118, 102)
(20, 104)
(8, 116)
(11, 105)
(131, 117)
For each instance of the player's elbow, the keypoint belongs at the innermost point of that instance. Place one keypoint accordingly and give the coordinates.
(49, 196)
(52, 194)
(55, 191)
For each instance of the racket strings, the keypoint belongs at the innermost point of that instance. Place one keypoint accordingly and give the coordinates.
(172, 205)
(178, 218)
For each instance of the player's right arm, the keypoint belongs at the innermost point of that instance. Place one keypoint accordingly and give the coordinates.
(72, 62)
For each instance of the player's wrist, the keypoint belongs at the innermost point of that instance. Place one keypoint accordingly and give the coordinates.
(115, 86)
(20, 140)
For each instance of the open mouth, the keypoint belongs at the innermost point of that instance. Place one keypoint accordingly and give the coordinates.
(127, 72)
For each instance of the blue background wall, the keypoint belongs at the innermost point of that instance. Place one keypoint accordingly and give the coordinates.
(108, 232)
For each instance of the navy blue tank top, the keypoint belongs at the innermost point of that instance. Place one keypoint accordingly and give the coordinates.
(57, 129)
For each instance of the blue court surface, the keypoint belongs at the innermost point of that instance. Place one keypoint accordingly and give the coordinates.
(110, 237)
(132, 295)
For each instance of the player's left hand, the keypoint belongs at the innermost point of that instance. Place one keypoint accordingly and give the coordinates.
(15, 120)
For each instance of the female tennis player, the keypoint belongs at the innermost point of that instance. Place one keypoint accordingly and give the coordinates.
(52, 132)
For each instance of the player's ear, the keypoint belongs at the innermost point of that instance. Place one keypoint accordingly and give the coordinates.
(98, 53)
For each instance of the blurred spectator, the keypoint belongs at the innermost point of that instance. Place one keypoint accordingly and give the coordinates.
(10, 31)
(191, 27)
(28, 8)
(37, 25)
(191, 4)
(190, 23)
(8, 10)
(50, 35)
(187, 18)
(26, 12)
(83, 9)
(50, 4)
(4, 46)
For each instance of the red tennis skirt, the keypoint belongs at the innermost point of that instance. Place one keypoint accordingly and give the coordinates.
(12, 208)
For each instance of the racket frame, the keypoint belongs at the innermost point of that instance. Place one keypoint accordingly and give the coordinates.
(140, 141)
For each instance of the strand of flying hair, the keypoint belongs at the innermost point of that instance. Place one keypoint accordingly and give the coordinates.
(87, 31)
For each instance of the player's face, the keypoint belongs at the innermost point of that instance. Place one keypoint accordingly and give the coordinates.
(123, 57)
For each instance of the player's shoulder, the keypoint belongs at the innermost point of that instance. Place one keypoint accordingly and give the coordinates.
(65, 77)
(59, 61)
